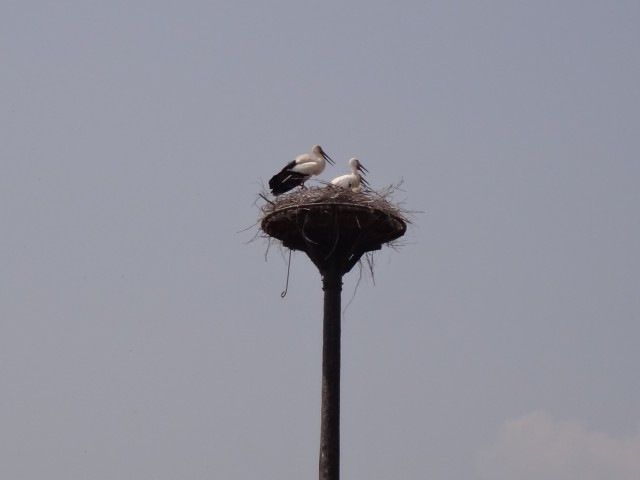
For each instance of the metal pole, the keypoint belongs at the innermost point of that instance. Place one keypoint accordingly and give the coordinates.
(330, 417)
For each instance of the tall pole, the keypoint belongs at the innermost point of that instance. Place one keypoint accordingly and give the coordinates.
(334, 227)
(330, 417)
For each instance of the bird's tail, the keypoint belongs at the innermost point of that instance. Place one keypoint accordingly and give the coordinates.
(286, 180)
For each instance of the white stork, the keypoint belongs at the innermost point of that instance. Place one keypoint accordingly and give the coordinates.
(354, 180)
(299, 170)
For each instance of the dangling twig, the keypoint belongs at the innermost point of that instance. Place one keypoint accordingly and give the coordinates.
(335, 244)
(265, 199)
(286, 287)
(355, 290)
(304, 235)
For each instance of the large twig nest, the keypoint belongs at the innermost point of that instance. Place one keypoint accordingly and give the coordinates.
(333, 224)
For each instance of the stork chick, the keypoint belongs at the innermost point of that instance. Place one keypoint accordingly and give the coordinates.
(354, 180)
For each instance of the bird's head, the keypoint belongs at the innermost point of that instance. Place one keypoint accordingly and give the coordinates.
(355, 163)
(318, 149)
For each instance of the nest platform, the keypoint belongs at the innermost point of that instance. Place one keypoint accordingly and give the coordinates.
(332, 225)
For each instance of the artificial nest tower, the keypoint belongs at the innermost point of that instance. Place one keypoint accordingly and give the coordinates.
(335, 227)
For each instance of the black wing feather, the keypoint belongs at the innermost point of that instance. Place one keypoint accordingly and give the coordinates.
(286, 179)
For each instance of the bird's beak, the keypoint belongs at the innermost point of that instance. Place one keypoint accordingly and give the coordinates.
(361, 168)
(327, 157)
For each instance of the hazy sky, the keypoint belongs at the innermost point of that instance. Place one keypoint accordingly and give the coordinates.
(143, 337)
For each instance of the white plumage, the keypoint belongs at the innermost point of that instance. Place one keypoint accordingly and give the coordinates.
(299, 170)
(353, 180)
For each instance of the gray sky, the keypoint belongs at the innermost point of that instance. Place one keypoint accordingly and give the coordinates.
(142, 337)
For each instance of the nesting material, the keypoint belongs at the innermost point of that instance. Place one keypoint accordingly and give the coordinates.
(333, 224)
